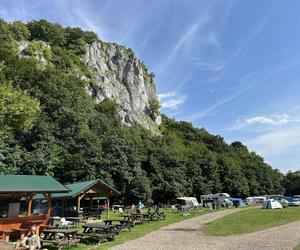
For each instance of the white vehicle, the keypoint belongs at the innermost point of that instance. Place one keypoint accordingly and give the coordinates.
(191, 202)
(206, 197)
(295, 202)
(220, 197)
(259, 199)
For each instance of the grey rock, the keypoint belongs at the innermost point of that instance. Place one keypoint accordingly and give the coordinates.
(120, 76)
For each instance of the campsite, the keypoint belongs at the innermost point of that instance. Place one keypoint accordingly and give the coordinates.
(70, 215)
(149, 125)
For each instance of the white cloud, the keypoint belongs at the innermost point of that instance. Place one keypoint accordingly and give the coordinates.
(213, 39)
(272, 120)
(171, 100)
(166, 95)
(276, 142)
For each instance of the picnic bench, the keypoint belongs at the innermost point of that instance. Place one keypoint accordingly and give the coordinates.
(122, 224)
(59, 237)
(102, 228)
(100, 232)
(75, 220)
(135, 218)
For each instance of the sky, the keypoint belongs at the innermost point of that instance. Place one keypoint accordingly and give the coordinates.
(232, 67)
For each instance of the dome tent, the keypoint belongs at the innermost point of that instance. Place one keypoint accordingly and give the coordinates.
(271, 204)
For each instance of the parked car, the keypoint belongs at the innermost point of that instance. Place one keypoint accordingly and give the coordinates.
(284, 203)
(227, 203)
(295, 202)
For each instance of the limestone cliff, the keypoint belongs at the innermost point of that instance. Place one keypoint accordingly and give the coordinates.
(120, 76)
(116, 74)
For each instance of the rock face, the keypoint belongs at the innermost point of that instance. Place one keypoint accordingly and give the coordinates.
(120, 76)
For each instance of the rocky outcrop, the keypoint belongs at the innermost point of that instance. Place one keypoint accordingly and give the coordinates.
(120, 76)
(116, 74)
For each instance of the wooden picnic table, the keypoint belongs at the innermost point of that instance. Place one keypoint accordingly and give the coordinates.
(122, 223)
(134, 217)
(101, 232)
(59, 237)
(74, 220)
(95, 227)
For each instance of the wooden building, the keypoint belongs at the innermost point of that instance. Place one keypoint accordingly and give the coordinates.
(81, 192)
(17, 190)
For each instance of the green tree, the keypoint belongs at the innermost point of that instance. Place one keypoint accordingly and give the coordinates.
(291, 183)
(17, 110)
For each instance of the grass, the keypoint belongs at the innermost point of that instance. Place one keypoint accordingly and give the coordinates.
(297, 247)
(251, 220)
(137, 230)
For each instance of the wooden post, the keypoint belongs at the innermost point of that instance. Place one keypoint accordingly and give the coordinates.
(29, 206)
(78, 204)
(91, 203)
(107, 211)
(62, 208)
(49, 206)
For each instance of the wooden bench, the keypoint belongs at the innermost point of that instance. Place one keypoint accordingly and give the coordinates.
(60, 243)
(20, 225)
(5, 234)
(122, 224)
(99, 237)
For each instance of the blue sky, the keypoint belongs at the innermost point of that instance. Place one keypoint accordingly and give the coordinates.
(232, 67)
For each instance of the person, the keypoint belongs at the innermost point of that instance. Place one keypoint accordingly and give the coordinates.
(105, 205)
(140, 204)
(32, 240)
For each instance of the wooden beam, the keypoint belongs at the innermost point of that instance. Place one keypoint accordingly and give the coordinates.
(78, 203)
(107, 211)
(91, 203)
(49, 206)
(29, 205)
(62, 208)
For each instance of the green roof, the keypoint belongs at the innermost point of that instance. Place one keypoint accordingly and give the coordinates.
(79, 187)
(30, 183)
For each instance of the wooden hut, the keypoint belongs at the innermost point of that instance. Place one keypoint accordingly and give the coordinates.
(17, 188)
(88, 190)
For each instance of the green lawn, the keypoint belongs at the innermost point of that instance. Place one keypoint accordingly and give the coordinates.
(138, 230)
(251, 220)
(297, 247)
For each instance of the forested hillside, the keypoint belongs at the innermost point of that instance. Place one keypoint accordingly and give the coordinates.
(51, 125)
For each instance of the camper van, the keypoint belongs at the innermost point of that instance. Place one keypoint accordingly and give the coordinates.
(256, 199)
(206, 198)
(191, 202)
(221, 198)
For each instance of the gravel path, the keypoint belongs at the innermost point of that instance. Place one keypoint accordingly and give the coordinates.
(186, 235)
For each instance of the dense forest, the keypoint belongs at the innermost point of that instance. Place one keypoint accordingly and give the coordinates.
(50, 125)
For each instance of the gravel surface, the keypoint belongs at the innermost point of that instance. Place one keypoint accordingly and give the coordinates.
(187, 235)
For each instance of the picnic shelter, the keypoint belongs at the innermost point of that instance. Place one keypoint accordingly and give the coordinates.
(16, 198)
(70, 203)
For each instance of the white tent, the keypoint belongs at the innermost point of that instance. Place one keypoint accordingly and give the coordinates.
(271, 204)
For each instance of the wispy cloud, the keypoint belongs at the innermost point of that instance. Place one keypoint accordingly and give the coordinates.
(275, 120)
(186, 37)
(171, 100)
(166, 95)
(276, 142)
(212, 39)
(221, 64)
(208, 111)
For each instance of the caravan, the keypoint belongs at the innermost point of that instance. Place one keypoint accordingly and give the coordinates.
(191, 202)
(220, 198)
